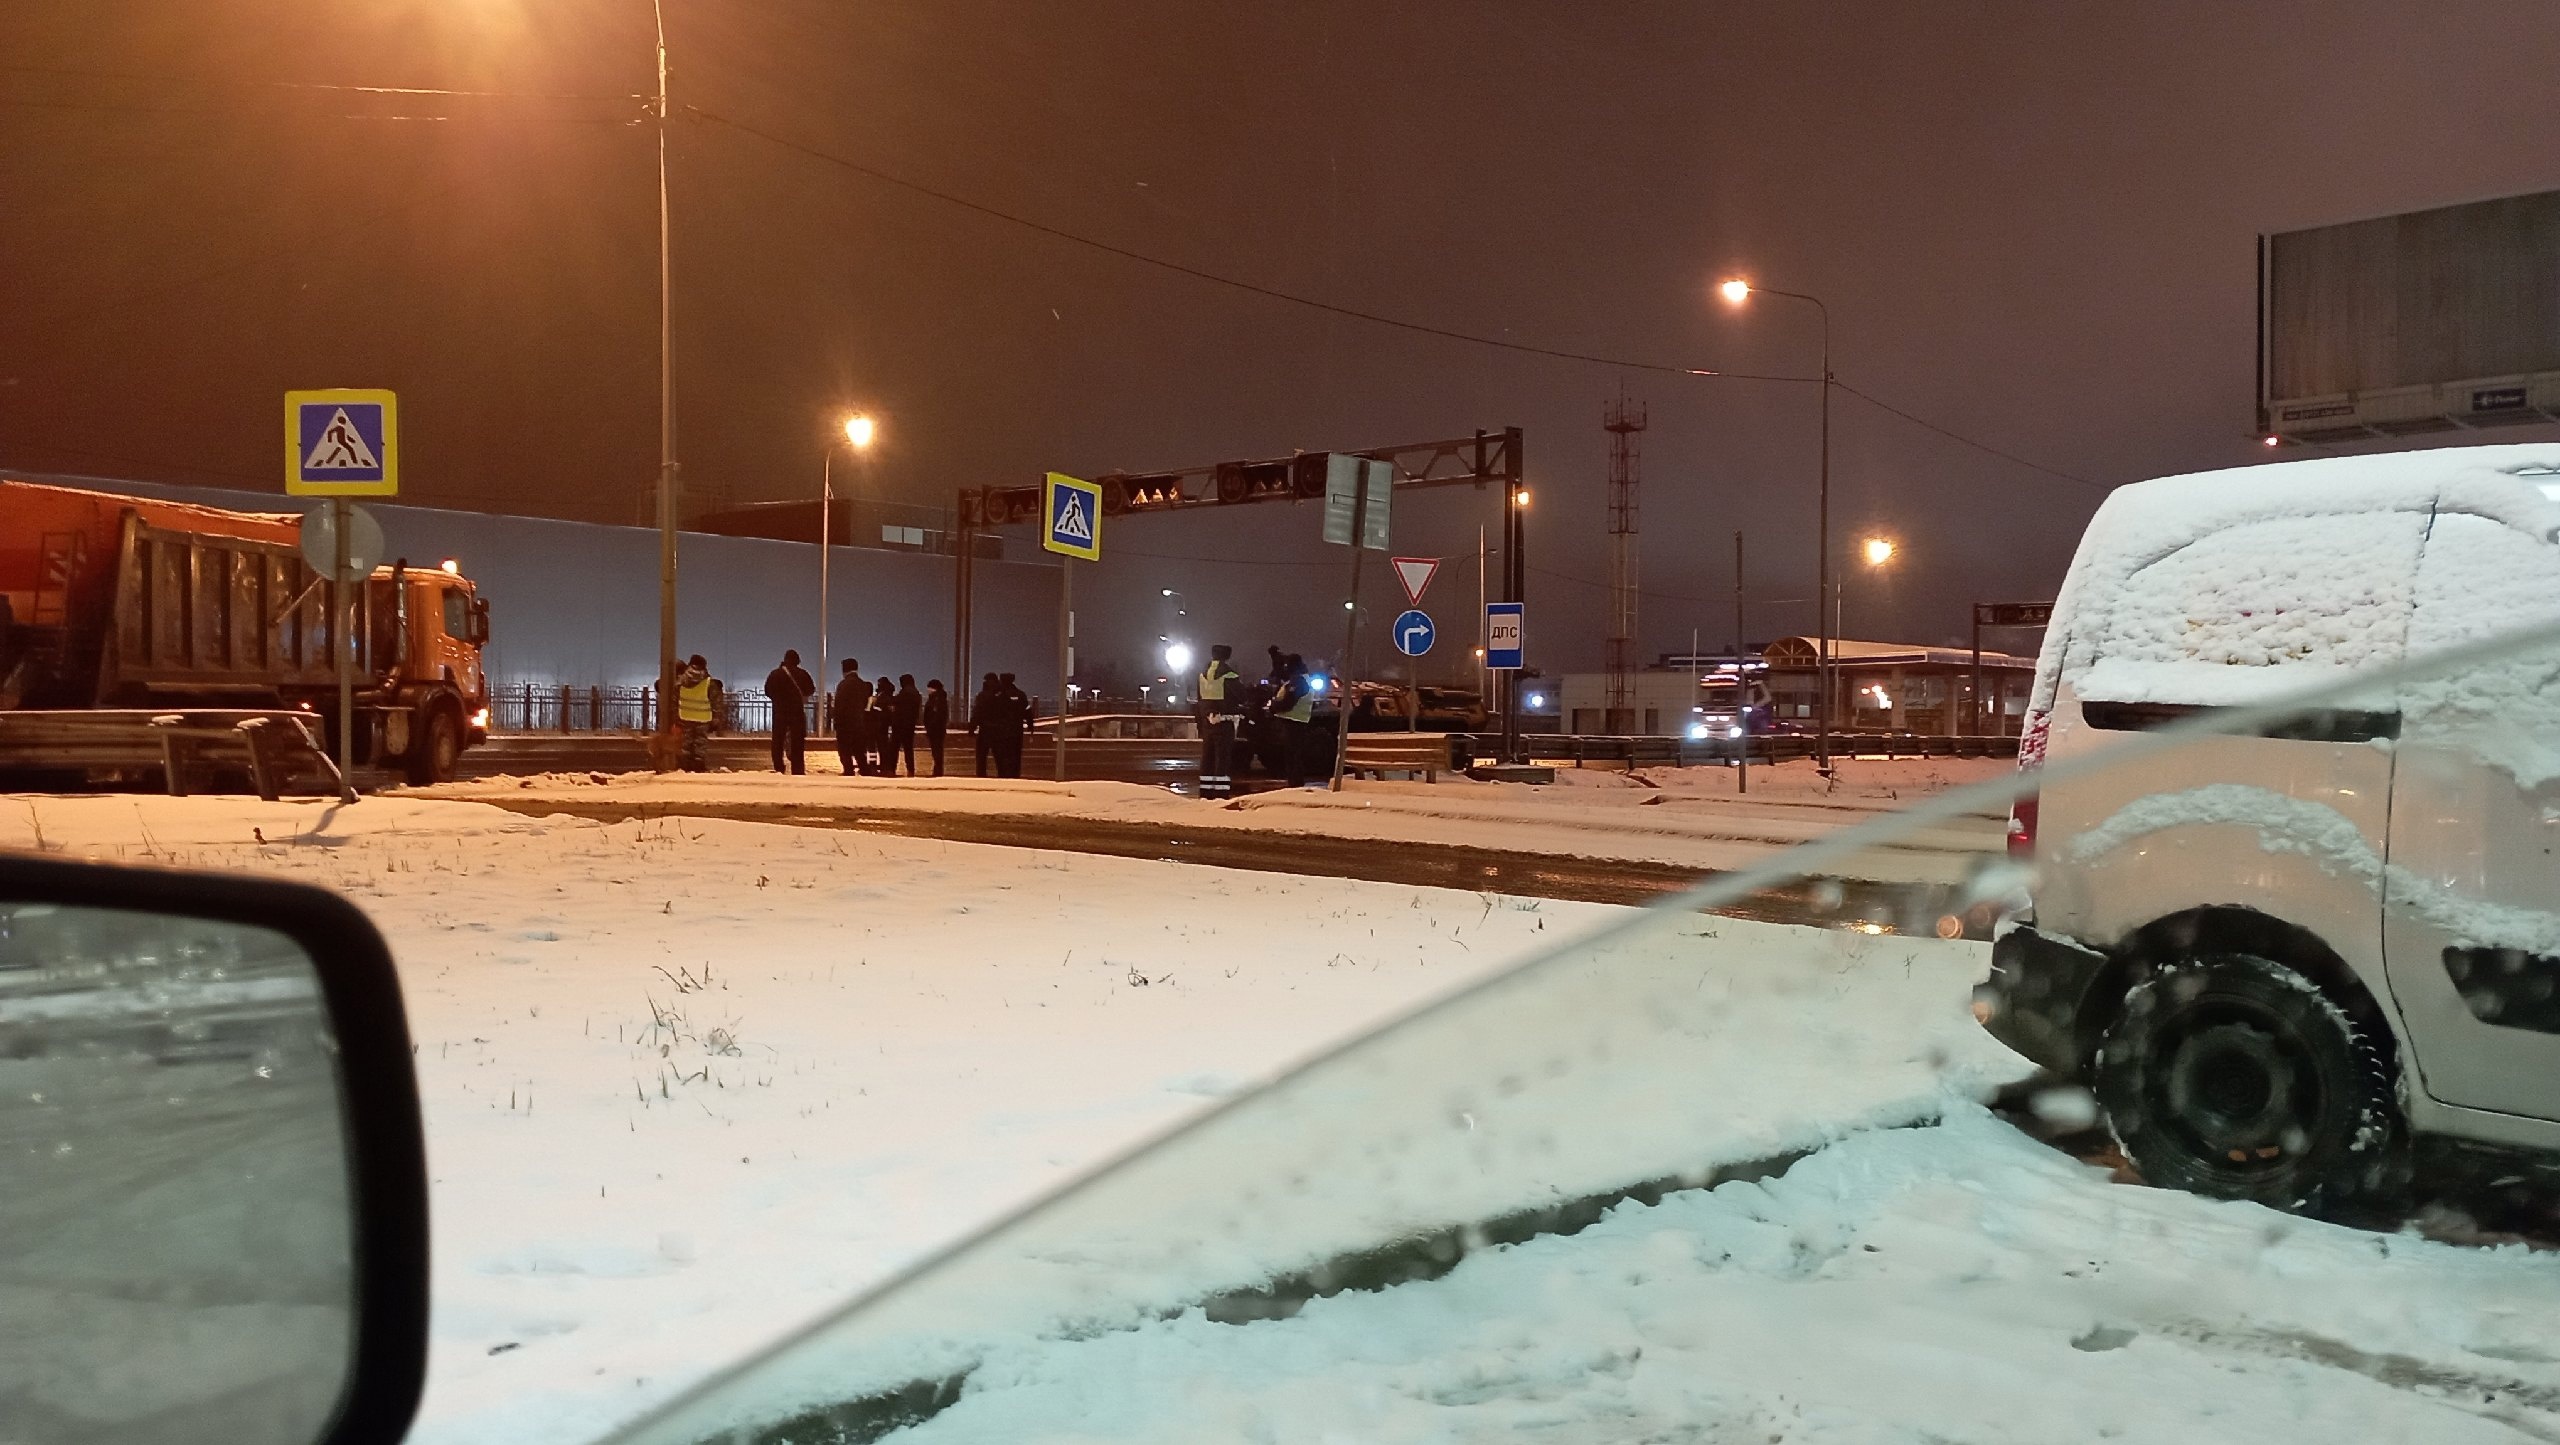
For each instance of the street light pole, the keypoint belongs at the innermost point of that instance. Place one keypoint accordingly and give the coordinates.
(666, 404)
(857, 434)
(826, 544)
(1738, 291)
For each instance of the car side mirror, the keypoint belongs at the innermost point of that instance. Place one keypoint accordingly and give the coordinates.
(479, 621)
(214, 1225)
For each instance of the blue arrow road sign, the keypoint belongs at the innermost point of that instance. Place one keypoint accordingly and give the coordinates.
(1414, 632)
(1503, 625)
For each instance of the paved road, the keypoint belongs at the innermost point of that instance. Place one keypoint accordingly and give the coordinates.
(1924, 908)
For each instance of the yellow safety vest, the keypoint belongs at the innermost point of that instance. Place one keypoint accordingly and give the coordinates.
(693, 701)
(1213, 681)
(1304, 708)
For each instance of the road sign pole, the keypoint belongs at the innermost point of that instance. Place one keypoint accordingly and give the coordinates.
(1741, 682)
(1350, 631)
(1066, 661)
(345, 606)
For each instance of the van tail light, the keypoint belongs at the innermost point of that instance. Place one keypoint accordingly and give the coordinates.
(2022, 829)
(2022, 812)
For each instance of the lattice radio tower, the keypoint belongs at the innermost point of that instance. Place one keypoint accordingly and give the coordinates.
(1625, 421)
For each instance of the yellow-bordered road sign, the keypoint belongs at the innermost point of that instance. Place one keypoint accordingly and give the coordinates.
(1071, 516)
(343, 442)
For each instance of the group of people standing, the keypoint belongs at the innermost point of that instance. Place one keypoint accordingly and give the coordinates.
(1228, 709)
(876, 723)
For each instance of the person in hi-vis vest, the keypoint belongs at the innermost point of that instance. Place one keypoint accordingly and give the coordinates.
(695, 709)
(1220, 707)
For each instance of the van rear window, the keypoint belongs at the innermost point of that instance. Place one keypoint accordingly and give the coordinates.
(2311, 725)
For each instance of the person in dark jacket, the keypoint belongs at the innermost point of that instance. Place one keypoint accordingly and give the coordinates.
(981, 714)
(1013, 719)
(853, 704)
(884, 707)
(937, 721)
(902, 724)
(789, 688)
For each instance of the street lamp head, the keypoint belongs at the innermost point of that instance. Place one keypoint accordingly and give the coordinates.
(1177, 657)
(1520, 498)
(1879, 551)
(858, 430)
(1736, 290)
(1168, 592)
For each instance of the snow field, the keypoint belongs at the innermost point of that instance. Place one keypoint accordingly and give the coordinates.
(1954, 1282)
(689, 1083)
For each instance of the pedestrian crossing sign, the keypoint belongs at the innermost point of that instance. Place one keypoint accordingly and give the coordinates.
(343, 442)
(1072, 509)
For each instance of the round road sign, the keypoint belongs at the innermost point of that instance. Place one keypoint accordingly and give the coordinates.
(320, 542)
(1413, 632)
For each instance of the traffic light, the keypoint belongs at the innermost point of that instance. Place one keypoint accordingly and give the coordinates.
(1306, 473)
(1003, 506)
(1152, 492)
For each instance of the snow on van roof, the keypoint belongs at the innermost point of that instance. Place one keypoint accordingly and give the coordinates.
(2208, 633)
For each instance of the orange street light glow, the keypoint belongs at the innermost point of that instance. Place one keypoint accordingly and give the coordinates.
(1736, 290)
(857, 430)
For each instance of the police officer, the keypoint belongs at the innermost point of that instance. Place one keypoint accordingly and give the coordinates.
(1219, 711)
(694, 711)
(1294, 706)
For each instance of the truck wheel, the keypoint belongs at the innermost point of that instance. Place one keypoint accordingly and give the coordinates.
(438, 743)
(2232, 1076)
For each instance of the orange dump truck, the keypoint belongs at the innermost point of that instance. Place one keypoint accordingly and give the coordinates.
(116, 602)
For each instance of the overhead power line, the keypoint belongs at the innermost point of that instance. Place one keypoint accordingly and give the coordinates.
(1354, 313)
(1216, 279)
(247, 84)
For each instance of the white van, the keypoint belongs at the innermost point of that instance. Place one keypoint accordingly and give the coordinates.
(2276, 957)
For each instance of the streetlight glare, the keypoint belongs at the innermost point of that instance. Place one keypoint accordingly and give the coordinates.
(1177, 657)
(1736, 290)
(857, 430)
(1879, 551)
(1520, 497)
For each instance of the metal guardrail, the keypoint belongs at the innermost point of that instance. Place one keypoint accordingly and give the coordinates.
(1581, 748)
(1168, 726)
(536, 707)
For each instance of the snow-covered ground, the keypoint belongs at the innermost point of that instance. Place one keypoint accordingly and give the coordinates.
(1955, 1282)
(692, 1082)
(1684, 816)
(689, 1083)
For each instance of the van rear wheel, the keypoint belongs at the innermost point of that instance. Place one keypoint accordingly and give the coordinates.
(2233, 1076)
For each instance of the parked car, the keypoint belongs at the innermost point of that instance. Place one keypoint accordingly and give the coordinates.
(2278, 956)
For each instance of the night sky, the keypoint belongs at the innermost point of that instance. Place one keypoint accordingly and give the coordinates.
(2034, 225)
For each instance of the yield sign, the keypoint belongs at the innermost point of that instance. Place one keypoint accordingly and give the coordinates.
(1416, 573)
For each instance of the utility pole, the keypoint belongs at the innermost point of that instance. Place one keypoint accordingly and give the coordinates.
(1624, 423)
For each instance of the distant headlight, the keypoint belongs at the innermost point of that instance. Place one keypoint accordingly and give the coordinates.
(1733, 732)
(1697, 732)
